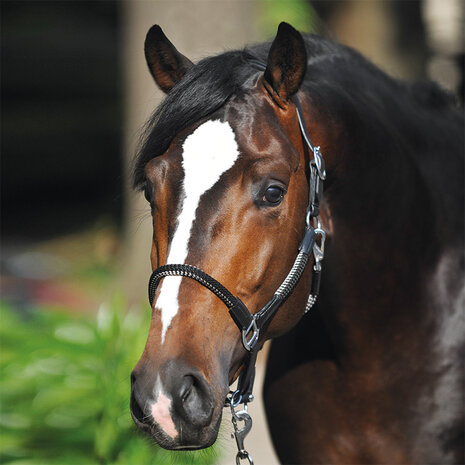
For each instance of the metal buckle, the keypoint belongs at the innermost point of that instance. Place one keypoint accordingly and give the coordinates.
(319, 250)
(320, 164)
(315, 192)
(249, 344)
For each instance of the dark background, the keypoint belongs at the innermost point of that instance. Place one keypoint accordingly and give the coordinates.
(61, 117)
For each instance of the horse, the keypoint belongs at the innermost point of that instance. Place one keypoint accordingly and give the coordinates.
(373, 373)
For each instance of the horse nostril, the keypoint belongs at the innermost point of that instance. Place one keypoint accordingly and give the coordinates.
(186, 387)
(133, 378)
(195, 400)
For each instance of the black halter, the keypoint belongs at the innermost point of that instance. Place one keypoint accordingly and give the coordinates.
(248, 323)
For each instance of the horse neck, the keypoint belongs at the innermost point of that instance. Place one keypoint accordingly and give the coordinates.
(382, 258)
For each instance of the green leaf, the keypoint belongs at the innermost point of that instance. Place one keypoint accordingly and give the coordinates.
(65, 384)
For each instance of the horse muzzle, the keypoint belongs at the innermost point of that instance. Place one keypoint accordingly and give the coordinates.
(177, 407)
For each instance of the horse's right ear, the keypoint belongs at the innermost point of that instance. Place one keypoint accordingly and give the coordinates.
(166, 64)
(287, 62)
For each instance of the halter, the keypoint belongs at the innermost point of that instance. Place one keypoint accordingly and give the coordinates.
(251, 324)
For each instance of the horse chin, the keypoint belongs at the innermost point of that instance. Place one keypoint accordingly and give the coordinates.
(189, 439)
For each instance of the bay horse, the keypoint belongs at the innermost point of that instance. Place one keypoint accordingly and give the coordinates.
(374, 373)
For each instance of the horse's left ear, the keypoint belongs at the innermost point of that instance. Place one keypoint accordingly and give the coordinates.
(166, 64)
(287, 62)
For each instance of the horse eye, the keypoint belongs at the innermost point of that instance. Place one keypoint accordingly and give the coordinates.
(273, 195)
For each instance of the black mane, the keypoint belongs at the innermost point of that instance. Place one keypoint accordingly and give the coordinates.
(382, 116)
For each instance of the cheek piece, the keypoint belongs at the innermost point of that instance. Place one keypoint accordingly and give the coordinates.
(251, 324)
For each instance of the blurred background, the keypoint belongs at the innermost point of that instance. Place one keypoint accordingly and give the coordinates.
(75, 240)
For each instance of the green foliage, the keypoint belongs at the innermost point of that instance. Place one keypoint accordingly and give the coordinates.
(298, 13)
(65, 384)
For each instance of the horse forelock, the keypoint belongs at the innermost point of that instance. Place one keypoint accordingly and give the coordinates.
(202, 92)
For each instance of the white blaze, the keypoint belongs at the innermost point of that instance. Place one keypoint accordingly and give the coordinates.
(208, 152)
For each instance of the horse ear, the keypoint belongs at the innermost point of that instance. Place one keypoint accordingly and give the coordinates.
(287, 62)
(166, 64)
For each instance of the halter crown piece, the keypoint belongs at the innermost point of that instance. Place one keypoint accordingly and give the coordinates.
(250, 324)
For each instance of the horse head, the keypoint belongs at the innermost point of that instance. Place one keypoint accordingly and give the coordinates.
(226, 175)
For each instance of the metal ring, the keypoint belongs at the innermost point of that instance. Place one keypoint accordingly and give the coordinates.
(241, 455)
(250, 343)
(233, 402)
(319, 250)
(317, 224)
